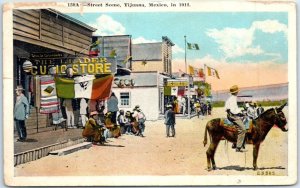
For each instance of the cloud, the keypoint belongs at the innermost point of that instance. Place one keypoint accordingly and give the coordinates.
(176, 49)
(143, 40)
(248, 74)
(269, 26)
(106, 25)
(237, 42)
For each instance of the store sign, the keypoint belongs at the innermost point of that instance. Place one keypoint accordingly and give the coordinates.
(43, 64)
(176, 83)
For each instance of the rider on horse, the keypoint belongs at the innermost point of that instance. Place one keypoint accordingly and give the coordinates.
(235, 115)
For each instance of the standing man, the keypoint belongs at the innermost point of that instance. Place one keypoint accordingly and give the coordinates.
(183, 105)
(112, 106)
(83, 111)
(21, 113)
(170, 121)
(235, 115)
(69, 112)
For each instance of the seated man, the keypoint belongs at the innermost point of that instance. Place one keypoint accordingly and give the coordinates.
(235, 115)
(92, 129)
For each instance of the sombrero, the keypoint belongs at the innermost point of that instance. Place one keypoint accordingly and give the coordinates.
(169, 106)
(19, 87)
(234, 89)
(93, 113)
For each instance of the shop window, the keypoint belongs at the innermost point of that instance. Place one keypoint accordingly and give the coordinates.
(125, 99)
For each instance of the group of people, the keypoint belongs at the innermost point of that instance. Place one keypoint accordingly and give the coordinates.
(202, 108)
(196, 106)
(114, 123)
(252, 110)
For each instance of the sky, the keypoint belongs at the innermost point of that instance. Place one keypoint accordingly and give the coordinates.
(246, 48)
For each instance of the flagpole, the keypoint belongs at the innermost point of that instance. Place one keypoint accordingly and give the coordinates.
(204, 73)
(185, 54)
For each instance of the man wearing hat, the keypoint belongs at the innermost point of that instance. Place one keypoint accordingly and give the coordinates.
(21, 112)
(170, 121)
(92, 129)
(234, 113)
(251, 111)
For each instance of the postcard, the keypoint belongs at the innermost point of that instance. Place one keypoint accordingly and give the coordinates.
(150, 93)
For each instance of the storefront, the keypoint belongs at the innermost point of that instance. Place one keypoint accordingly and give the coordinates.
(41, 35)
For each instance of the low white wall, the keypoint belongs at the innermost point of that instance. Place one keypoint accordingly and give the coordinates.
(147, 98)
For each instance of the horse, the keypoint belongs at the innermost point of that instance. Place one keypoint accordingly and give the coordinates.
(256, 134)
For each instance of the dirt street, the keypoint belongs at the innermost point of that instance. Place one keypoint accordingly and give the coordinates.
(157, 155)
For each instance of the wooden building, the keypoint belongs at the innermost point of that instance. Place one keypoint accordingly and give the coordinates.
(45, 31)
(153, 56)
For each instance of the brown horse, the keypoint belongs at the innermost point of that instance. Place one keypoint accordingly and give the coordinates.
(256, 135)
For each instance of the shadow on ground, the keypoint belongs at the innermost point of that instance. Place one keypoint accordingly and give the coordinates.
(30, 140)
(239, 168)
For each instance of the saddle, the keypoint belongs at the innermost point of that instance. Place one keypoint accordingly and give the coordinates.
(227, 124)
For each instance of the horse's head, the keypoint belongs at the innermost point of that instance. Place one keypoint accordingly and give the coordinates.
(280, 120)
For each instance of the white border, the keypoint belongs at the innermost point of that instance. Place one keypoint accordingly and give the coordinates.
(198, 6)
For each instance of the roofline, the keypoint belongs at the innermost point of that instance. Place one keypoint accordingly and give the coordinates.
(145, 60)
(111, 35)
(147, 43)
(144, 72)
(134, 87)
(71, 19)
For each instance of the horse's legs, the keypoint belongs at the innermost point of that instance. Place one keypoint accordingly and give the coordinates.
(255, 155)
(210, 153)
(216, 142)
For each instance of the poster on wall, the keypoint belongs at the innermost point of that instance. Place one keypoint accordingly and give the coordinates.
(150, 93)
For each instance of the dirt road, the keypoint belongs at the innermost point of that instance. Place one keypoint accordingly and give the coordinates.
(157, 155)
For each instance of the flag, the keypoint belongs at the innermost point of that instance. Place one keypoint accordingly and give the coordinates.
(201, 73)
(191, 70)
(94, 49)
(167, 90)
(212, 72)
(128, 58)
(65, 88)
(193, 46)
(174, 91)
(112, 53)
(102, 87)
(84, 87)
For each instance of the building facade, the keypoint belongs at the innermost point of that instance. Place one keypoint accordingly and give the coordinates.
(153, 56)
(44, 31)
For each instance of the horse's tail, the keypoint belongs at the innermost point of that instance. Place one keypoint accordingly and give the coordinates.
(205, 135)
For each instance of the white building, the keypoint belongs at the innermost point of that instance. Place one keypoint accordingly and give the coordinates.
(147, 92)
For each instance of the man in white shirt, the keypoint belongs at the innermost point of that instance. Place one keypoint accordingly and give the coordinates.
(235, 115)
(251, 111)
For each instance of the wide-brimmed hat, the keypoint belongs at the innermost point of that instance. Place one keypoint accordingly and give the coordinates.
(169, 106)
(94, 113)
(128, 113)
(19, 87)
(137, 106)
(234, 89)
